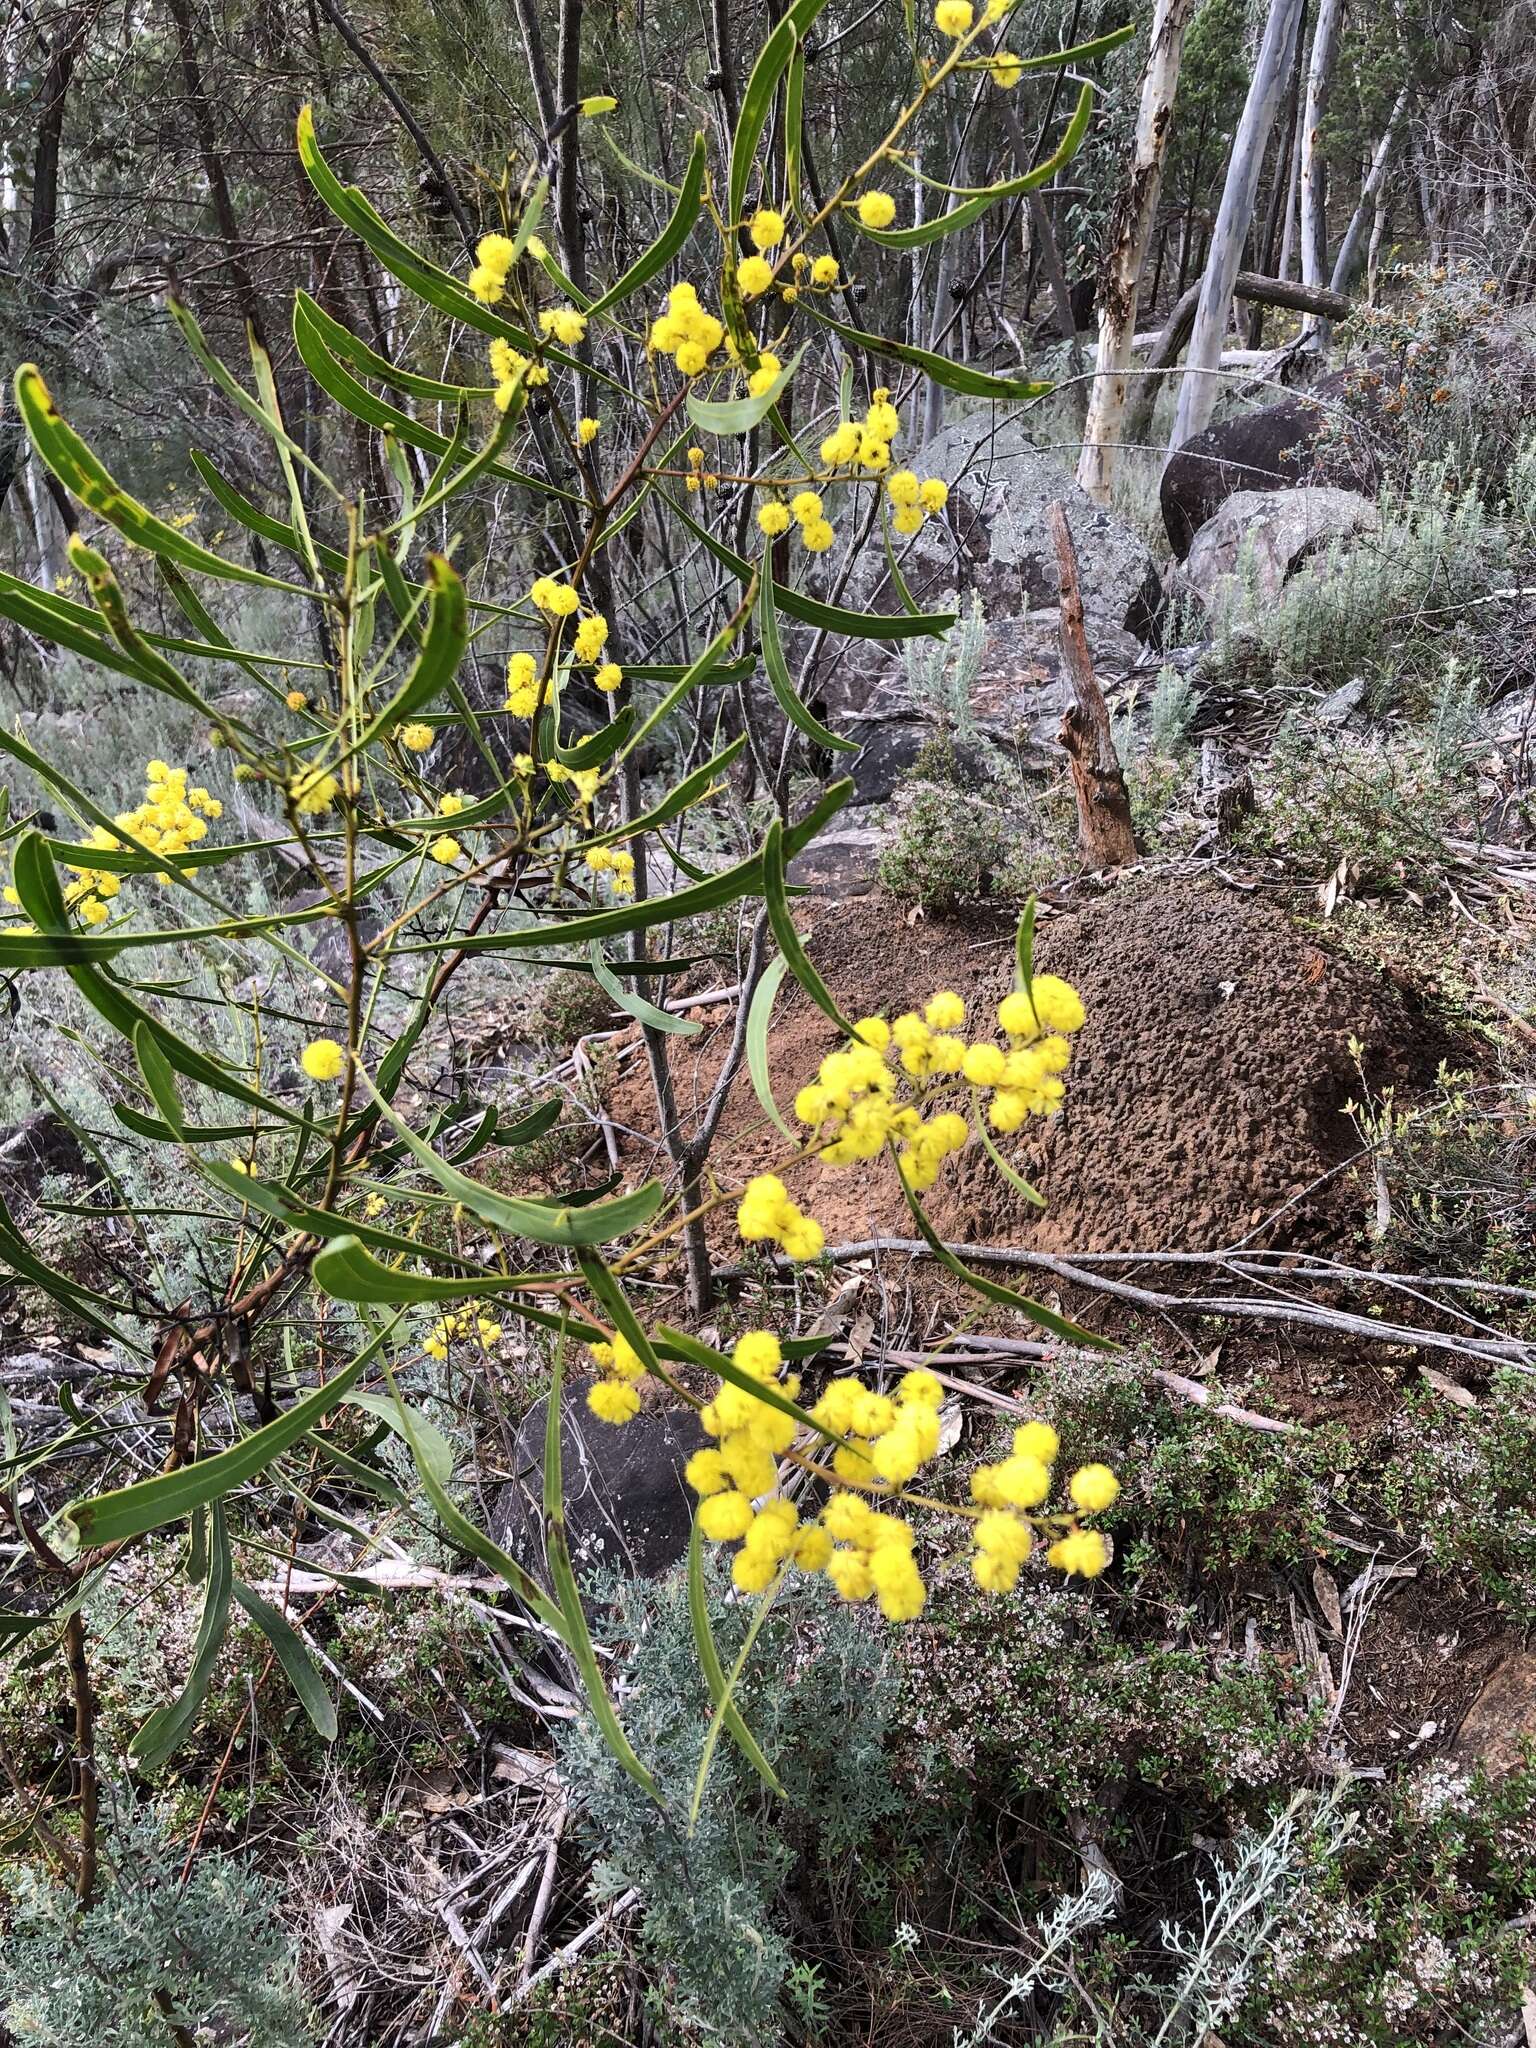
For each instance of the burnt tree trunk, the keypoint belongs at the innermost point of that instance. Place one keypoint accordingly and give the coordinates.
(1106, 838)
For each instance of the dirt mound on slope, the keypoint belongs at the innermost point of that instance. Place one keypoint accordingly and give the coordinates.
(1205, 1101)
(1207, 1094)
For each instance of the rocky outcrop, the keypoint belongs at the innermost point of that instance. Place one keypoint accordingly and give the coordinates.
(1256, 542)
(626, 1504)
(1274, 448)
(993, 539)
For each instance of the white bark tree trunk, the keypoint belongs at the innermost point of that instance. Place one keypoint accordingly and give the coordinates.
(1349, 249)
(1200, 384)
(1314, 197)
(1129, 239)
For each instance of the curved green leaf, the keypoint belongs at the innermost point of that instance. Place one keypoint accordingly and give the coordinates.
(776, 895)
(160, 1734)
(729, 886)
(973, 208)
(758, 1018)
(669, 241)
(578, 1637)
(714, 1677)
(168, 1496)
(757, 100)
(298, 1666)
(777, 668)
(953, 376)
(600, 1223)
(811, 611)
(84, 475)
(635, 1005)
(741, 415)
(994, 1290)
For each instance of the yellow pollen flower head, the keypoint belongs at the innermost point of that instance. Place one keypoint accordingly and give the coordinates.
(773, 518)
(933, 494)
(754, 274)
(445, 850)
(323, 1060)
(953, 17)
(564, 324)
(609, 676)
(817, 535)
(296, 700)
(613, 1401)
(824, 271)
(1006, 69)
(587, 430)
(1093, 1488)
(313, 791)
(417, 737)
(876, 210)
(766, 228)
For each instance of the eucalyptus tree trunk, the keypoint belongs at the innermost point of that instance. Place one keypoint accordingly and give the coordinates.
(1350, 249)
(1314, 196)
(1201, 381)
(1129, 239)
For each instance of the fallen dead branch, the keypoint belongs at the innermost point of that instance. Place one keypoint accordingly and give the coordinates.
(1279, 1308)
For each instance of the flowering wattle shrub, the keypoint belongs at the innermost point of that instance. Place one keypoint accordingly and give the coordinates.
(648, 409)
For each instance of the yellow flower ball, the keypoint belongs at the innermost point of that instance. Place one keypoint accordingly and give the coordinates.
(1093, 1488)
(754, 274)
(296, 700)
(773, 518)
(323, 1059)
(587, 431)
(445, 850)
(876, 210)
(817, 535)
(824, 271)
(766, 228)
(613, 1401)
(953, 17)
(417, 737)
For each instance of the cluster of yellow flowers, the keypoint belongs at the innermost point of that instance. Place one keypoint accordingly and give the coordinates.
(1004, 1492)
(768, 1215)
(312, 791)
(805, 510)
(510, 367)
(754, 274)
(618, 865)
(855, 1105)
(914, 499)
(885, 1441)
(522, 685)
(563, 324)
(493, 259)
(686, 332)
(464, 1322)
(171, 819)
(614, 1398)
(552, 596)
(866, 442)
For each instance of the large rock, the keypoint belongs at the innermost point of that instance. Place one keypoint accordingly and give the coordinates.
(994, 539)
(1256, 542)
(1276, 447)
(626, 1504)
(1500, 1724)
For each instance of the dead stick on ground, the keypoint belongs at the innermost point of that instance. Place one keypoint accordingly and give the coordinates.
(1105, 835)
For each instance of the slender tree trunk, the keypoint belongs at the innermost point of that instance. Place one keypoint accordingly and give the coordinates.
(1280, 188)
(1128, 241)
(1292, 208)
(1350, 249)
(1314, 168)
(1200, 386)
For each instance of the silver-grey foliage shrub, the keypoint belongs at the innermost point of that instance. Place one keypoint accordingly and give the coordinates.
(212, 1955)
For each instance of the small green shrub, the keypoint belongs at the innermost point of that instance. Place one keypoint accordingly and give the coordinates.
(212, 1954)
(817, 1695)
(946, 852)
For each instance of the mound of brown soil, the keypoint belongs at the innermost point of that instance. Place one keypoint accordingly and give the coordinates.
(1205, 1102)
